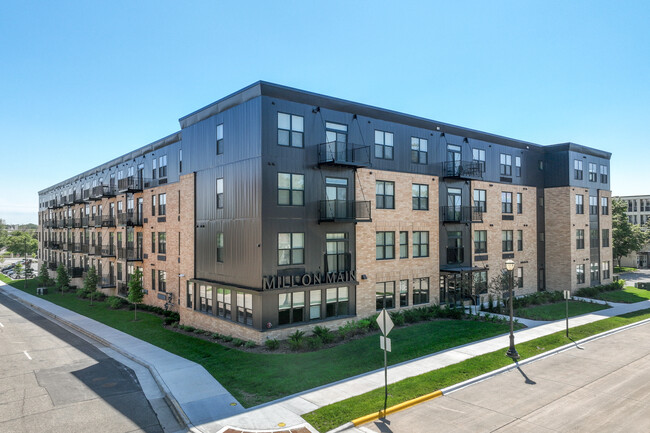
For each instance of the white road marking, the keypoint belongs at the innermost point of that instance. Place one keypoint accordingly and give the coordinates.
(27, 355)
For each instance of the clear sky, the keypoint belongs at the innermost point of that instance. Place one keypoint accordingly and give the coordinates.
(82, 82)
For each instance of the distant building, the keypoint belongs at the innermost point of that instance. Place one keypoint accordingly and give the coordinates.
(638, 212)
(275, 209)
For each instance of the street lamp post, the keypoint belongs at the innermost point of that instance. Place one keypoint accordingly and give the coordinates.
(512, 352)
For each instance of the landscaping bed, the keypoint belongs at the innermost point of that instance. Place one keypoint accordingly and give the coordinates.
(628, 295)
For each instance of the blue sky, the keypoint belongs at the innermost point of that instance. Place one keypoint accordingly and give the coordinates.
(82, 82)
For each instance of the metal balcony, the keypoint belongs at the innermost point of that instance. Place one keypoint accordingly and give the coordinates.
(54, 245)
(85, 221)
(344, 211)
(75, 272)
(108, 251)
(60, 223)
(95, 250)
(463, 169)
(97, 221)
(122, 289)
(52, 265)
(455, 255)
(129, 254)
(78, 198)
(85, 194)
(129, 218)
(107, 282)
(108, 221)
(76, 248)
(76, 223)
(130, 184)
(85, 248)
(346, 154)
(461, 214)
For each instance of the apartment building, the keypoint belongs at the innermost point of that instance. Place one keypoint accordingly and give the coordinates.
(275, 209)
(638, 212)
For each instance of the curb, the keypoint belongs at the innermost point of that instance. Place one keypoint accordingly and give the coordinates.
(173, 404)
(401, 406)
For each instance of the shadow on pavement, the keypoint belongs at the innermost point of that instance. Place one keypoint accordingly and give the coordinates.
(383, 425)
(529, 381)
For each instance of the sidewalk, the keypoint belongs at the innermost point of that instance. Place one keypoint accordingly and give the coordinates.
(207, 405)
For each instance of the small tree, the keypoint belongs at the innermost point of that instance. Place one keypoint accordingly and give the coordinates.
(43, 276)
(136, 292)
(19, 269)
(626, 237)
(29, 272)
(90, 283)
(62, 277)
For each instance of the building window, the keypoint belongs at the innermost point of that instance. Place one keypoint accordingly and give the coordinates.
(220, 249)
(220, 193)
(205, 299)
(518, 166)
(337, 302)
(420, 291)
(418, 150)
(580, 239)
(603, 178)
(604, 205)
(593, 205)
(505, 164)
(383, 145)
(580, 207)
(480, 241)
(403, 293)
(291, 248)
(290, 130)
(153, 279)
(420, 195)
(506, 202)
(224, 303)
(153, 242)
(162, 281)
(593, 174)
(577, 169)
(403, 245)
(154, 170)
(153, 205)
(420, 244)
(519, 203)
(540, 164)
(594, 277)
(315, 303)
(291, 189)
(337, 255)
(162, 169)
(605, 238)
(479, 200)
(220, 139)
(478, 155)
(506, 241)
(385, 192)
(189, 295)
(385, 295)
(162, 243)
(520, 240)
(385, 245)
(606, 271)
(593, 238)
(520, 277)
(180, 160)
(245, 308)
(580, 274)
(162, 204)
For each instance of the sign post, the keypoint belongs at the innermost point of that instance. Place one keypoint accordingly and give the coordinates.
(567, 296)
(385, 325)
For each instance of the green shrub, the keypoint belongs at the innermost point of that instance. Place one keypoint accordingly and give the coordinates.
(175, 324)
(325, 335)
(227, 338)
(347, 330)
(362, 326)
(207, 333)
(82, 293)
(397, 317)
(272, 344)
(411, 316)
(374, 326)
(115, 302)
(187, 328)
(198, 331)
(216, 336)
(237, 342)
(250, 344)
(99, 296)
(314, 343)
(168, 321)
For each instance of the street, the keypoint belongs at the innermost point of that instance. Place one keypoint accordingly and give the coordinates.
(52, 380)
(602, 386)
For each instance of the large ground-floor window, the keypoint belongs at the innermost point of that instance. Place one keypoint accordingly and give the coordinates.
(385, 295)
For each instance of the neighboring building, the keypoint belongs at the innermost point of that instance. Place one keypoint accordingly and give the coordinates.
(275, 208)
(638, 212)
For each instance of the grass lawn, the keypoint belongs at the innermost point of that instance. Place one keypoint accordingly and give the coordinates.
(619, 269)
(557, 310)
(279, 375)
(334, 415)
(628, 295)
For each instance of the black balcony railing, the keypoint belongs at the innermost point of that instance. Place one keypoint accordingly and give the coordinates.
(455, 255)
(107, 281)
(344, 210)
(341, 153)
(54, 245)
(129, 218)
(76, 223)
(130, 184)
(461, 214)
(65, 246)
(60, 223)
(76, 248)
(85, 221)
(85, 194)
(78, 197)
(108, 251)
(75, 272)
(97, 221)
(95, 250)
(129, 254)
(463, 169)
(122, 289)
(108, 221)
(85, 248)
(52, 265)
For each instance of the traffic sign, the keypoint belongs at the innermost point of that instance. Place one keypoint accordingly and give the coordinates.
(385, 322)
(384, 343)
(567, 294)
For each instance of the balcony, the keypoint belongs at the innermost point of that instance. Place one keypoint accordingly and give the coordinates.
(96, 221)
(65, 246)
(60, 223)
(107, 282)
(76, 223)
(346, 154)
(108, 251)
(52, 265)
(54, 245)
(95, 250)
(130, 184)
(130, 254)
(85, 194)
(129, 218)
(461, 214)
(85, 248)
(455, 255)
(98, 192)
(344, 211)
(108, 221)
(463, 169)
(78, 198)
(85, 221)
(75, 272)
(122, 289)
(76, 248)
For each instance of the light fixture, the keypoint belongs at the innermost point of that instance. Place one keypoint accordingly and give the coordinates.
(510, 265)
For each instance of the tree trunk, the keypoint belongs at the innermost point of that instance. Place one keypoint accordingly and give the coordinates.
(135, 312)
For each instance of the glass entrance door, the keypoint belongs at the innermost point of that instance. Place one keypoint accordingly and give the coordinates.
(454, 202)
(336, 137)
(453, 160)
(336, 195)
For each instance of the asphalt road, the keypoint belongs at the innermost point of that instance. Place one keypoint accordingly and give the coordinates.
(602, 387)
(53, 381)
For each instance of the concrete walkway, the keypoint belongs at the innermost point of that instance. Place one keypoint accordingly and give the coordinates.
(207, 406)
